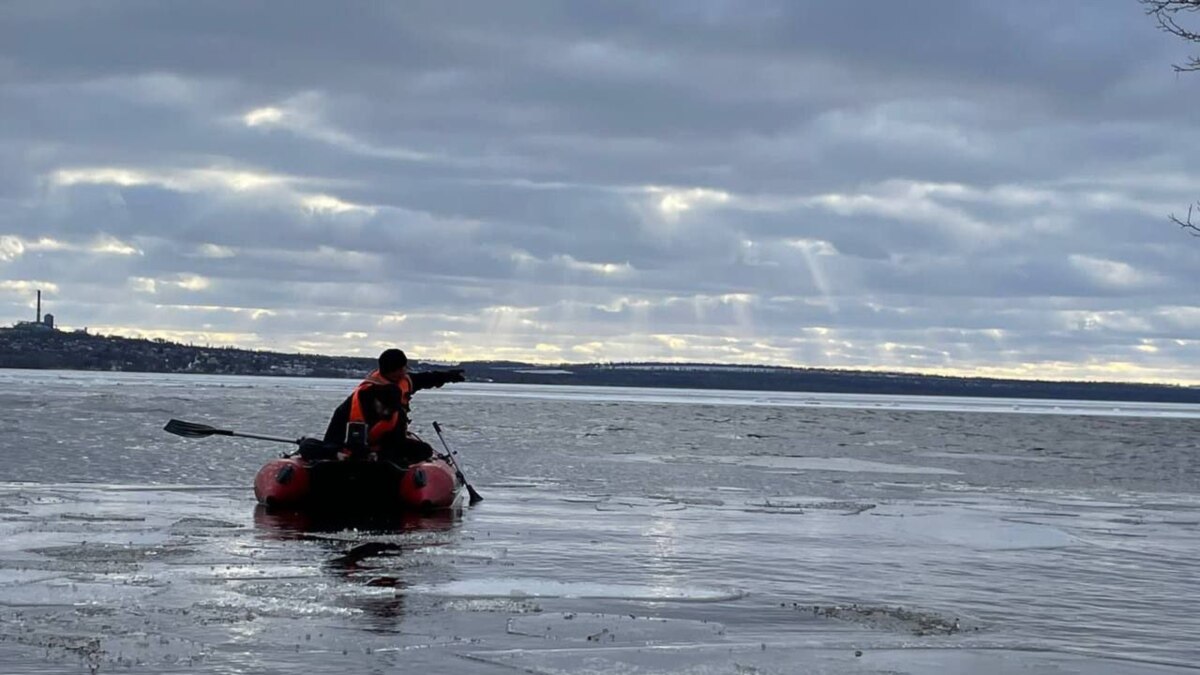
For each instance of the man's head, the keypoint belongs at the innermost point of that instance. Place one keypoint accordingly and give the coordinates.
(393, 364)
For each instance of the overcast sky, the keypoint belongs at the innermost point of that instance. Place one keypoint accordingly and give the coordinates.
(956, 186)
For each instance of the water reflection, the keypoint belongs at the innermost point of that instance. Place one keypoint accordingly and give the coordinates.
(295, 524)
(369, 550)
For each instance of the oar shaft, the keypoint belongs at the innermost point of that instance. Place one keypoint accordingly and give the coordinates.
(277, 439)
(475, 496)
(194, 430)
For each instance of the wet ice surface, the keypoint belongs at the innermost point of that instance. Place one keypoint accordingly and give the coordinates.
(628, 536)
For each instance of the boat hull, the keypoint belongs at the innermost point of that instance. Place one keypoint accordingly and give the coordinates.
(292, 482)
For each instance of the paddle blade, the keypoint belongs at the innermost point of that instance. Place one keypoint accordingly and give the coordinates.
(192, 429)
(475, 496)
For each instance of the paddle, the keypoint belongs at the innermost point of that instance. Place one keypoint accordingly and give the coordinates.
(194, 430)
(475, 496)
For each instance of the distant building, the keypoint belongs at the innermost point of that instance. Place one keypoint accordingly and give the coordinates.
(47, 325)
(40, 323)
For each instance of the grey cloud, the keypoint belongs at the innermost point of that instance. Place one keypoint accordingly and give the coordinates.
(916, 174)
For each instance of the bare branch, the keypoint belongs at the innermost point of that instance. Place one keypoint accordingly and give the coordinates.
(1193, 228)
(1165, 12)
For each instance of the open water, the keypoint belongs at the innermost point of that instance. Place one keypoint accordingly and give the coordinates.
(622, 531)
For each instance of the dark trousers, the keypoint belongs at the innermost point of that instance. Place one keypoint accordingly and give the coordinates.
(405, 450)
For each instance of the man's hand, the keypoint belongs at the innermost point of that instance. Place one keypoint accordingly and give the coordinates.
(436, 378)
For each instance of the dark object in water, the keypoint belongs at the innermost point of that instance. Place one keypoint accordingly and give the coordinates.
(359, 553)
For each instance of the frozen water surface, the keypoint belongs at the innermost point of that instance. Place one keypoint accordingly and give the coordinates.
(622, 532)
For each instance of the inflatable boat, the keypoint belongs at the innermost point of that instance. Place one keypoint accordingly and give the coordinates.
(295, 482)
(318, 477)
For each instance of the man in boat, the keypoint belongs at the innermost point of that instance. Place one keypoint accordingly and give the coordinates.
(379, 408)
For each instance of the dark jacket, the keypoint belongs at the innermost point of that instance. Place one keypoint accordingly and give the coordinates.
(336, 431)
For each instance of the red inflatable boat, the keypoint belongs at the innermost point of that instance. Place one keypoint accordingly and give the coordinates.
(313, 477)
(292, 482)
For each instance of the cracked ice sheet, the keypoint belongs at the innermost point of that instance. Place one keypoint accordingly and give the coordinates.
(519, 588)
(611, 629)
(774, 659)
(796, 463)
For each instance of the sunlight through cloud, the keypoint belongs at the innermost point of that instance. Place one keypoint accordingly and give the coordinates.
(672, 202)
(265, 116)
(114, 246)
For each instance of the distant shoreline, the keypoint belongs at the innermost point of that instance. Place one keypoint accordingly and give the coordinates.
(603, 395)
(77, 351)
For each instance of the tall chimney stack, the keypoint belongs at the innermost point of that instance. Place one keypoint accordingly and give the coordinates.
(39, 306)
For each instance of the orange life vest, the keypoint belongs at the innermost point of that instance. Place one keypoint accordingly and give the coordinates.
(377, 431)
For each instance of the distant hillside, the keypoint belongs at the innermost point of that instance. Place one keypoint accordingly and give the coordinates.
(80, 351)
(779, 378)
(52, 349)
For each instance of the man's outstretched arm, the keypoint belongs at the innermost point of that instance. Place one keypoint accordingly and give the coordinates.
(436, 378)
